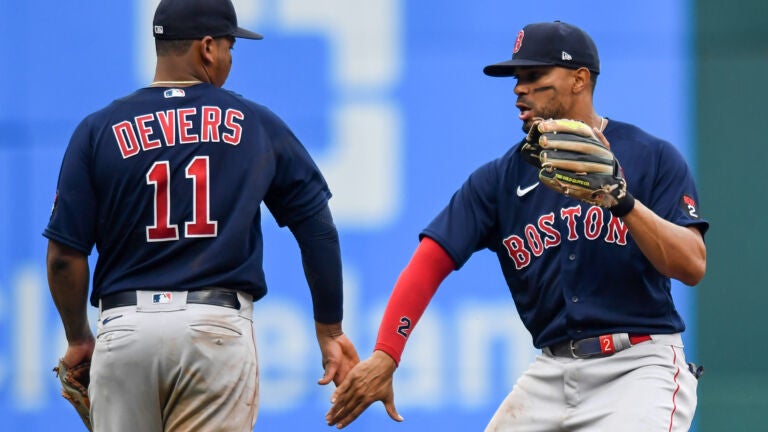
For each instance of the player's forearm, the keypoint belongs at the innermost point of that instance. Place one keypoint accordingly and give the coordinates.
(321, 257)
(413, 291)
(68, 276)
(675, 251)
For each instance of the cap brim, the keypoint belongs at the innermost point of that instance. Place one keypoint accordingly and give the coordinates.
(247, 34)
(507, 68)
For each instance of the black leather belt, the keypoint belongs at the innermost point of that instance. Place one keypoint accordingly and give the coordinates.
(598, 346)
(216, 297)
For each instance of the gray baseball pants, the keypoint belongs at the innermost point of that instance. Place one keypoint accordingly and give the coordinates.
(173, 366)
(644, 388)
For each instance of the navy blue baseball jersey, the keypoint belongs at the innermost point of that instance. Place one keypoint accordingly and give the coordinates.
(572, 268)
(167, 184)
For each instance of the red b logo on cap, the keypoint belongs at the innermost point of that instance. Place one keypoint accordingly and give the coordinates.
(518, 42)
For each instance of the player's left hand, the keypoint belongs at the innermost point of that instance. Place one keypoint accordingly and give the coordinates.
(368, 382)
(339, 354)
(73, 371)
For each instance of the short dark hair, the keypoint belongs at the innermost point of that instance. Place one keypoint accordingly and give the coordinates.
(172, 47)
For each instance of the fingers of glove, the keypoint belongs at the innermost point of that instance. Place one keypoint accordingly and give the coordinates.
(83, 409)
(81, 374)
(530, 148)
(534, 133)
(531, 154)
(77, 377)
(567, 126)
(74, 387)
(574, 143)
(561, 134)
(81, 403)
(576, 162)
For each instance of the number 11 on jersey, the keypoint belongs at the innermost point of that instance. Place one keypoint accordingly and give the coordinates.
(201, 225)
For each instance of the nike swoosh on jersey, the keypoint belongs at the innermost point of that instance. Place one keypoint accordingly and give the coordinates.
(521, 192)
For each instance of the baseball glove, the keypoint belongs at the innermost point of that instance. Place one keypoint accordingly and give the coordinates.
(74, 388)
(530, 148)
(543, 130)
(574, 162)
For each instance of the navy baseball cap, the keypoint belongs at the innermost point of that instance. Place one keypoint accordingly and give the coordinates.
(549, 44)
(195, 19)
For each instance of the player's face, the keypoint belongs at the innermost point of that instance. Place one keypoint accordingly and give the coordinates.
(542, 92)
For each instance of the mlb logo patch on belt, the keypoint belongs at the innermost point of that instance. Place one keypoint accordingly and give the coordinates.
(161, 298)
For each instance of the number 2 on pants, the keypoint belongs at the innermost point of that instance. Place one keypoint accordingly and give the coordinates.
(201, 225)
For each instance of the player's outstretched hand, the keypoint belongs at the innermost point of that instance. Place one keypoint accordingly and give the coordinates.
(368, 382)
(339, 354)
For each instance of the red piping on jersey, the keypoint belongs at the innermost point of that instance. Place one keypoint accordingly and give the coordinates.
(413, 291)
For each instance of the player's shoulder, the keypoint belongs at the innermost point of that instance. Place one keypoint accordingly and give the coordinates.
(635, 146)
(265, 115)
(623, 132)
(96, 119)
(628, 137)
(236, 98)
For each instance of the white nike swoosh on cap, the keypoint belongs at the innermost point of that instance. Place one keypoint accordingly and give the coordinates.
(521, 192)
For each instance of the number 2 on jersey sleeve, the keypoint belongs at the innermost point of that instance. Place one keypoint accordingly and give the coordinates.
(201, 225)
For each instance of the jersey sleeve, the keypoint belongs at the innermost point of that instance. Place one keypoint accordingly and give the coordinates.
(676, 198)
(413, 291)
(74, 213)
(463, 225)
(321, 258)
(298, 189)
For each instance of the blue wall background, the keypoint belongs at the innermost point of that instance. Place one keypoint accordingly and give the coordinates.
(389, 97)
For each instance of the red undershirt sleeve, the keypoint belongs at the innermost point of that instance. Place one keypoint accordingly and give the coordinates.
(418, 282)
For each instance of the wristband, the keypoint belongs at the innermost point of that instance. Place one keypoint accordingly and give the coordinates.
(624, 206)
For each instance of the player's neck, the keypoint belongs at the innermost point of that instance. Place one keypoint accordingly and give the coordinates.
(603, 124)
(170, 73)
(597, 121)
(171, 83)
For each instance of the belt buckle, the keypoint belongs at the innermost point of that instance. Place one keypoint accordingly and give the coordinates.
(572, 346)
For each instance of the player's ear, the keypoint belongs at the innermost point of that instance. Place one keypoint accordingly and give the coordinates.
(208, 49)
(581, 79)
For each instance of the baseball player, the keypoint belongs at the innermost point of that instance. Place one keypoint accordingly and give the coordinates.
(167, 183)
(591, 284)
